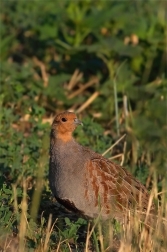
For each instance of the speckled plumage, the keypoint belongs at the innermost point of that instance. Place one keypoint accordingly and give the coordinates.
(85, 181)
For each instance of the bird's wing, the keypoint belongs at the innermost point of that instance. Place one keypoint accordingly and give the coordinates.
(115, 184)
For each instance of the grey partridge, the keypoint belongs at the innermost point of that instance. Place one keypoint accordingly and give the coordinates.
(85, 181)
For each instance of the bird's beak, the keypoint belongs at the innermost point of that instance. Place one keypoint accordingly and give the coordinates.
(77, 121)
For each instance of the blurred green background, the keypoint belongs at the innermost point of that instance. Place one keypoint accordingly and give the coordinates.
(104, 60)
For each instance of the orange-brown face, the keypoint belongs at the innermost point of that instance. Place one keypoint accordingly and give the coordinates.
(64, 124)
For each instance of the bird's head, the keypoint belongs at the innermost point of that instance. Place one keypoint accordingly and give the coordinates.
(64, 124)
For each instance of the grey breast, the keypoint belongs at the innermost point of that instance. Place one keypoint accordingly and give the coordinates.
(66, 173)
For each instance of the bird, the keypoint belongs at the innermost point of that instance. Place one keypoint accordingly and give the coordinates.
(86, 182)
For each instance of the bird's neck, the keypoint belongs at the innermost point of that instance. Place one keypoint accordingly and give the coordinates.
(60, 144)
(67, 137)
(64, 137)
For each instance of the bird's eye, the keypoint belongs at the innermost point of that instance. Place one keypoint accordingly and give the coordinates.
(64, 119)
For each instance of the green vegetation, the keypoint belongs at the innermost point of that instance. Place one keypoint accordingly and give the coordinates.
(106, 61)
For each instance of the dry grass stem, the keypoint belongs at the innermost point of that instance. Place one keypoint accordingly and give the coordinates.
(76, 77)
(116, 156)
(48, 233)
(88, 102)
(111, 147)
(125, 106)
(43, 70)
(23, 219)
(124, 151)
(83, 87)
(69, 247)
(89, 234)
(15, 203)
(87, 238)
